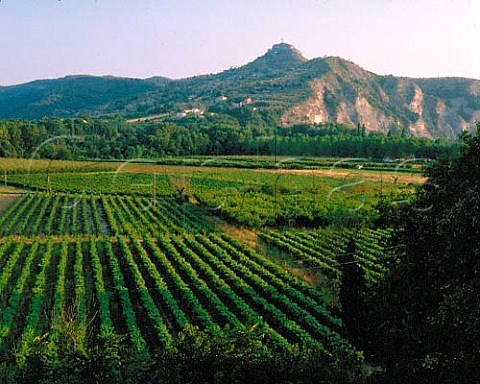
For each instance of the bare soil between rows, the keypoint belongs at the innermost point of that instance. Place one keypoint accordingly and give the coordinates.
(6, 200)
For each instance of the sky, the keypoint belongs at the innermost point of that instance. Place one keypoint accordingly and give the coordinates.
(42, 39)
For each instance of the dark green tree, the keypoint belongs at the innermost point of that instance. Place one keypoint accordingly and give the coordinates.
(352, 290)
(424, 322)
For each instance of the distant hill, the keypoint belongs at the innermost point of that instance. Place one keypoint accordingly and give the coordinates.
(72, 95)
(282, 86)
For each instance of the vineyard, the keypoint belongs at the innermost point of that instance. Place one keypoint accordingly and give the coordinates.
(252, 198)
(121, 264)
(90, 255)
(79, 214)
(320, 250)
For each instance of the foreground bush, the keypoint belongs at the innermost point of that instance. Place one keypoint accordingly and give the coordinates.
(232, 356)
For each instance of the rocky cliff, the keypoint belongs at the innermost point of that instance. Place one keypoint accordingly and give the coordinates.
(295, 90)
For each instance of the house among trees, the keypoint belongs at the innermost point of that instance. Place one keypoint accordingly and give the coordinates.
(220, 98)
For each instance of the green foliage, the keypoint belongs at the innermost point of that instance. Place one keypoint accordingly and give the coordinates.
(69, 96)
(190, 303)
(389, 214)
(328, 253)
(352, 290)
(109, 360)
(235, 131)
(423, 320)
(237, 356)
(272, 84)
(246, 197)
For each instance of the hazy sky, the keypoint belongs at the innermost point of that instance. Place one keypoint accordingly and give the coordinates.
(179, 38)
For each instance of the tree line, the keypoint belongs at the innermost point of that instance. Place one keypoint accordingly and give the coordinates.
(215, 134)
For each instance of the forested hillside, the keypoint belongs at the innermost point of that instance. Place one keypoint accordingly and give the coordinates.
(279, 88)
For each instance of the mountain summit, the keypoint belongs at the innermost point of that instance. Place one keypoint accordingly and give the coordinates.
(278, 60)
(286, 50)
(280, 57)
(282, 87)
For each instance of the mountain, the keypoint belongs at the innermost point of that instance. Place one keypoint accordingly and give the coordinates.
(282, 85)
(281, 57)
(72, 95)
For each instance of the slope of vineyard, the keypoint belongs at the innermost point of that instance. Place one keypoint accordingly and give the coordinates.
(106, 263)
(321, 249)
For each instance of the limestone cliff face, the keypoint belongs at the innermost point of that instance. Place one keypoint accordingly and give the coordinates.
(282, 83)
(342, 96)
(425, 107)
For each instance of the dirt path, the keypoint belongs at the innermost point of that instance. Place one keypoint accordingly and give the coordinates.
(6, 200)
(388, 177)
(245, 235)
(147, 118)
(377, 175)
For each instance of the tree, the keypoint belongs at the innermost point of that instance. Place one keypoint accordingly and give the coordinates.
(352, 290)
(364, 130)
(423, 321)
